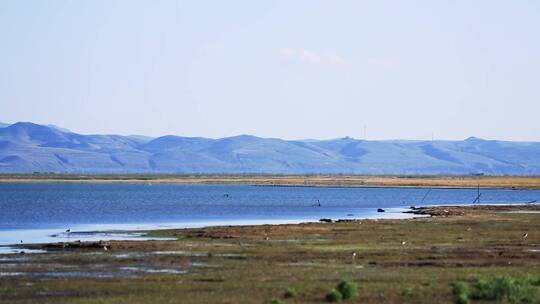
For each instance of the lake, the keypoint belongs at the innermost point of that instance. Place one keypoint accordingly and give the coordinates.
(41, 212)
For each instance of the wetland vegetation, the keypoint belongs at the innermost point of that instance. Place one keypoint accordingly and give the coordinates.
(464, 255)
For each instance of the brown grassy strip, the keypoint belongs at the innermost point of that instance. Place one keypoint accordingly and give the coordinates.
(297, 180)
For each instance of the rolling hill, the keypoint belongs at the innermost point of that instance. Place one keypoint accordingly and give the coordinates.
(27, 147)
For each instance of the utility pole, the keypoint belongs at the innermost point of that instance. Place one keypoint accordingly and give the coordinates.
(477, 199)
(365, 137)
(479, 193)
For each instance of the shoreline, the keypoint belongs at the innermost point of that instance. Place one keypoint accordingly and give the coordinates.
(254, 264)
(141, 235)
(345, 181)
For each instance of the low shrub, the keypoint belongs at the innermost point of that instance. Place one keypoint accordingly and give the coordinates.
(333, 296)
(460, 288)
(347, 289)
(407, 292)
(505, 289)
(462, 298)
(484, 289)
(461, 291)
(428, 284)
(289, 293)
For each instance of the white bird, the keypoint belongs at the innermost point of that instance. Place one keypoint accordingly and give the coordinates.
(354, 254)
(105, 248)
(525, 235)
(403, 243)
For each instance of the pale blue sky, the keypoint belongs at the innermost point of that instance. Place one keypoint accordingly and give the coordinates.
(289, 69)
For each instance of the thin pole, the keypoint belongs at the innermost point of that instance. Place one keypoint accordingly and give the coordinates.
(365, 137)
(477, 199)
(422, 201)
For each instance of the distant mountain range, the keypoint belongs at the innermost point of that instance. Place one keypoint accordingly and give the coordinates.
(27, 148)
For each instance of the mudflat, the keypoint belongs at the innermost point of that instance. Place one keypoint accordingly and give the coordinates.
(392, 261)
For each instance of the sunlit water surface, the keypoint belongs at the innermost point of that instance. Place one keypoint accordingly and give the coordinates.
(42, 212)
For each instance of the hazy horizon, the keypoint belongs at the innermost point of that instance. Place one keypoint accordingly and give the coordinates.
(280, 69)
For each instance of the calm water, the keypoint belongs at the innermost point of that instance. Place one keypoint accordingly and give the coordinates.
(34, 211)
